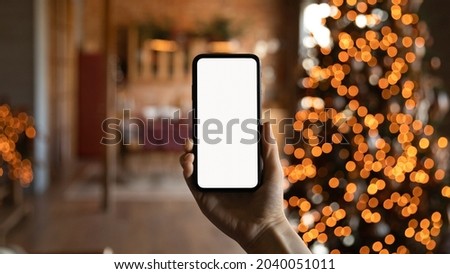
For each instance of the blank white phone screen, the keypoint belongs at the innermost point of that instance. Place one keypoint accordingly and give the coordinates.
(227, 112)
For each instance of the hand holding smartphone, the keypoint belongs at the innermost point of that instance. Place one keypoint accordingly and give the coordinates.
(226, 104)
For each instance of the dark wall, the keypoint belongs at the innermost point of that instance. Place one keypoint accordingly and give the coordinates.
(435, 14)
(16, 53)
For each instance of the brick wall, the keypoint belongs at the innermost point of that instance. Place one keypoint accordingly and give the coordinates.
(257, 19)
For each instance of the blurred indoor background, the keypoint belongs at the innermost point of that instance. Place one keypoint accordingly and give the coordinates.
(67, 65)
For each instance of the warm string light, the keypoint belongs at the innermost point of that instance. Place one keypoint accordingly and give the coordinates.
(11, 129)
(384, 152)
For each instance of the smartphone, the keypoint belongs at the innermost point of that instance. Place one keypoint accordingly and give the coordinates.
(226, 121)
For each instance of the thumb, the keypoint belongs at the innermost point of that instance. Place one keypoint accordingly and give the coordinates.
(272, 165)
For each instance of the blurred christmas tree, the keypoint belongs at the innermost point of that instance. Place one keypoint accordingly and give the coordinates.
(13, 130)
(367, 169)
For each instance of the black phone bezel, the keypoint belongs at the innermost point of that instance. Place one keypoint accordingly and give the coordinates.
(195, 119)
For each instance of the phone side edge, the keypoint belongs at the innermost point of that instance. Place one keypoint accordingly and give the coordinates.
(195, 121)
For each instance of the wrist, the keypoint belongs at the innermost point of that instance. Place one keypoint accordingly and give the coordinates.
(277, 237)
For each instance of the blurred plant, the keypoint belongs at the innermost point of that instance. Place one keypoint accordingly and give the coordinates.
(152, 29)
(219, 29)
(12, 131)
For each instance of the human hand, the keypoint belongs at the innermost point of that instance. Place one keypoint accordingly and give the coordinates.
(256, 219)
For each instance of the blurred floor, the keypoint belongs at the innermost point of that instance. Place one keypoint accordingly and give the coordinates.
(156, 215)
